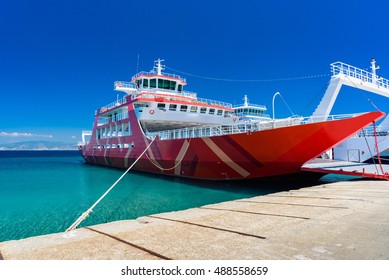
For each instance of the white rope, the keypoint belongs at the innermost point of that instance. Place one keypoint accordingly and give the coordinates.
(87, 212)
(171, 168)
(251, 80)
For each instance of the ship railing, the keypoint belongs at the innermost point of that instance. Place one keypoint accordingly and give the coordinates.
(184, 97)
(214, 102)
(261, 107)
(167, 92)
(313, 119)
(152, 73)
(366, 76)
(124, 84)
(253, 115)
(112, 118)
(84, 135)
(243, 127)
(370, 131)
(114, 104)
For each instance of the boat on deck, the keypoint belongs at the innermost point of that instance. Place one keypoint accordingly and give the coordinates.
(204, 139)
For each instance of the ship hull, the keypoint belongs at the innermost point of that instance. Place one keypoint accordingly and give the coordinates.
(253, 155)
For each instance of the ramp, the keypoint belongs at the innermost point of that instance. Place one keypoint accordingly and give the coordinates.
(367, 170)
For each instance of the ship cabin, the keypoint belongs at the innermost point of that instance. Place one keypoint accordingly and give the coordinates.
(251, 112)
(161, 103)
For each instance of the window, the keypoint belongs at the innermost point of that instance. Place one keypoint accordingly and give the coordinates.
(193, 109)
(153, 83)
(145, 83)
(219, 112)
(160, 83)
(166, 84)
(173, 107)
(127, 128)
(172, 85)
(179, 88)
(184, 108)
(211, 111)
(203, 110)
(161, 106)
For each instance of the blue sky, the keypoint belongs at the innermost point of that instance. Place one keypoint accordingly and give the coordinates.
(59, 59)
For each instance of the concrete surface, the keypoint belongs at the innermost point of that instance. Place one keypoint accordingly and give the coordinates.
(343, 220)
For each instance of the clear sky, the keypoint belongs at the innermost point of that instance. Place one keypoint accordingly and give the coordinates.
(59, 59)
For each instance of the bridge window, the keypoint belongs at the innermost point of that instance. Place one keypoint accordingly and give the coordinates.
(219, 112)
(211, 111)
(153, 83)
(203, 110)
(193, 109)
(173, 107)
(145, 83)
(166, 84)
(184, 108)
(179, 88)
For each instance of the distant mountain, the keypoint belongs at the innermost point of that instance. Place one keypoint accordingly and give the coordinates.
(38, 145)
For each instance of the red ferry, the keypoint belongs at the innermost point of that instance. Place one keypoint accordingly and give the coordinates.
(201, 138)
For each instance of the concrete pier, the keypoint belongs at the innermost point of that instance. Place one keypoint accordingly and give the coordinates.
(343, 220)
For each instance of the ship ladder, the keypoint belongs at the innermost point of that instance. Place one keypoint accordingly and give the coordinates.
(87, 212)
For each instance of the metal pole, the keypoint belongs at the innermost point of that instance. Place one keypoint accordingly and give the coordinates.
(274, 96)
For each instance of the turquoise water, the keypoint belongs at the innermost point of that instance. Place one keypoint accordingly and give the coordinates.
(45, 192)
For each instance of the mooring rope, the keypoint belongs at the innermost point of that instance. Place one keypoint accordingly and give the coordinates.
(171, 168)
(87, 212)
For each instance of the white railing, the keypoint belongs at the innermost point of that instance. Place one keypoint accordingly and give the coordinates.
(248, 106)
(217, 130)
(348, 70)
(152, 73)
(168, 92)
(112, 118)
(369, 131)
(113, 104)
(184, 97)
(124, 84)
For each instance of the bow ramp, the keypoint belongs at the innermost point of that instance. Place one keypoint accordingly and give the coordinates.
(344, 74)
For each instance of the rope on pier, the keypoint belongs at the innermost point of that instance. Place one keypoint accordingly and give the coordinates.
(87, 212)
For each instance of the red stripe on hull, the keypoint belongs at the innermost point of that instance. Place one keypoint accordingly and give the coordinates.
(237, 156)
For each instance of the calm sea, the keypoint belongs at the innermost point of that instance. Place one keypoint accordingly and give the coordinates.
(44, 192)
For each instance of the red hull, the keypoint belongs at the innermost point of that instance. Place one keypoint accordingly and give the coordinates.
(258, 154)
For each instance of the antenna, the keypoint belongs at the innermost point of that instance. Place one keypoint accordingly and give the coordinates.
(158, 66)
(137, 64)
(246, 101)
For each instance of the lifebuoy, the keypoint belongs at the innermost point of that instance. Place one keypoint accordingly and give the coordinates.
(151, 111)
(234, 119)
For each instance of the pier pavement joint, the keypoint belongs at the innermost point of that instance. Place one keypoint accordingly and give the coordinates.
(204, 226)
(131, 244)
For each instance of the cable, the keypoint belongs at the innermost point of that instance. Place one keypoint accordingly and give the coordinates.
(250, 80)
